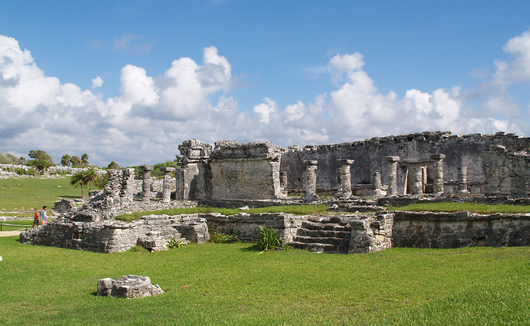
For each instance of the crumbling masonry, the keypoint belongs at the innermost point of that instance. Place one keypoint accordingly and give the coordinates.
(434, 165)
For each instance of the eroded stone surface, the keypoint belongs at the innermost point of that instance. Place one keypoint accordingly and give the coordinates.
(129, 287)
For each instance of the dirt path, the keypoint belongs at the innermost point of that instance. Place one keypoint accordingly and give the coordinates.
(9, 233)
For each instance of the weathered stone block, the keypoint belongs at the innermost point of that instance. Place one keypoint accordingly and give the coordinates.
(129, 287)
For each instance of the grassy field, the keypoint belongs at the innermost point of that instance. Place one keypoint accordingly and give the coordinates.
(16, 225)
(234, 284)
(24, 194)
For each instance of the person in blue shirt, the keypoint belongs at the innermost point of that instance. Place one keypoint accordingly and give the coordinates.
(43, 216)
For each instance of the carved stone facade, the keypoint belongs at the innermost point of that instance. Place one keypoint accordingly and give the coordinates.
(194, 174)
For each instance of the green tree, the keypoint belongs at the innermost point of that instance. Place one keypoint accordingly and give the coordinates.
(156, 168)
(113, 165)
(4, 159)
(76, 161)
(90, 177)
(40, 165)
(41, 155)
(77, 181)
(101, 181)
(65, 160)
(84, 159)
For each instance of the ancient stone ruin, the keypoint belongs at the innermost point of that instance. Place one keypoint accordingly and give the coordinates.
(393, 170)
(129, 287)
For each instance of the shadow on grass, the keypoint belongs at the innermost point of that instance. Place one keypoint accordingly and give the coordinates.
(70, 197)
(252, 247)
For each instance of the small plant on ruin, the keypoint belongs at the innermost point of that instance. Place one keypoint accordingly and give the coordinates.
(172, 244)
(269, 239)
(218, 237)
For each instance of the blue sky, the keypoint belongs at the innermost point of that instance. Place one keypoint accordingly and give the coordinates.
(97, 76)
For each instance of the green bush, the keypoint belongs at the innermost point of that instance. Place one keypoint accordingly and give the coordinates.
(269, 239)
(172, 244)
(21, 171)
(219, 237)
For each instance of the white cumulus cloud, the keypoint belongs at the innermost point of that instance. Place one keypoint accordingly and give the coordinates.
(153, 114)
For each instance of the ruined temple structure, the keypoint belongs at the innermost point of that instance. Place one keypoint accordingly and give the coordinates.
(417, 164)
(393, 170)
(230, 171)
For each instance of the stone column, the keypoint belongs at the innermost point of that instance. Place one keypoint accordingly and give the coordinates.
(146, 185)
(438, 174)
(376, 181)
(310, 183)
(127, 186)
(182, 189)
(462, 180)
(283, 179)
(166, 186)
(344, 190)
(417, 180)
(283, 183)
(392, 175)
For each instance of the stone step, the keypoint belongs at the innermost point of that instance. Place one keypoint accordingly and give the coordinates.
(324, 233)
(322, 240)
(313, 247)
(319, 247)
(325, 226)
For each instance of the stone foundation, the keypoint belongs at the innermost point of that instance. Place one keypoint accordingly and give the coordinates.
(462, 229)
(246, 226)
(152, 232)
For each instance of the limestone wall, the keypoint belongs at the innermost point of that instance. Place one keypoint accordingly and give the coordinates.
(245, 171)
(371, 234)
(152, 232)
(507, 173)
(462, 229)
(246, 226)
(369, 157)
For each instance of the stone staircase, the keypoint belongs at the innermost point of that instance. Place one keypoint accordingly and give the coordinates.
(324, 234)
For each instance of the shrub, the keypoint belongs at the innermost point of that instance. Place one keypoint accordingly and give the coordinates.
(21, 171)
(172, 244)
(269, 239)
(219, 237)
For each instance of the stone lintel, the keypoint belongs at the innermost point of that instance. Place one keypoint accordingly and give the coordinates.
(392, 158)
(415, 163)
(310, 162)
(167, 169)
(437, 157)
(232, 150)
(345, 161)
(147, 167)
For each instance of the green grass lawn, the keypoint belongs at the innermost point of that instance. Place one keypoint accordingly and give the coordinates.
(16, 225)
(459, 207)
(24, 194)
(233, 284)
(292, 209)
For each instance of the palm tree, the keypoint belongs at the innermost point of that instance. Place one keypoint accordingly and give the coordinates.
(77, 180)
(65, 160)
(90, 177)
(84, 159)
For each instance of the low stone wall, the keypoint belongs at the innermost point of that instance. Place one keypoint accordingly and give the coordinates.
(462, 229)
(246, 226)
(371, 234)
(152, 232)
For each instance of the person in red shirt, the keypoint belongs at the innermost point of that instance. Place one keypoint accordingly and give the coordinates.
(35, 219)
